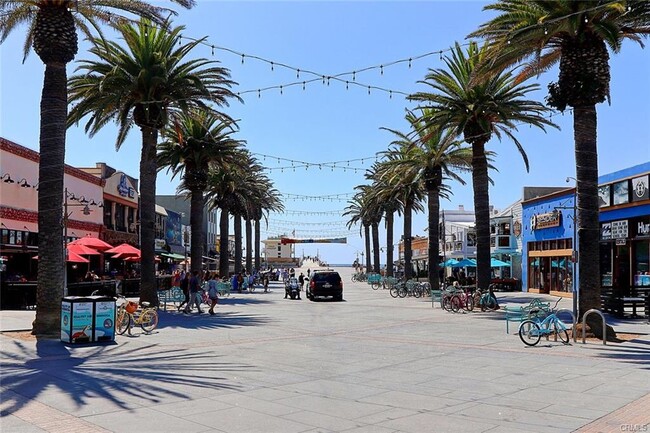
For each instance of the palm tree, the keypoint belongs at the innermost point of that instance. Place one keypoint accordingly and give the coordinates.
(52, 32)
(576, 34)
(196, 140)
(478, 109)
(431, 155)
(145, 83)
(385, 196)
(270, 201)
(356, 212)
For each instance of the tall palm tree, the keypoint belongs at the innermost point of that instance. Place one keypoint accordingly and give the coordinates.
(224, 193)
(356, 212)
(270, 201)
(576, 34)
(431, 155)
(195, 140)
(52, 32)
(478, 109)
(387, 197)
(409, 191)
(145, 83)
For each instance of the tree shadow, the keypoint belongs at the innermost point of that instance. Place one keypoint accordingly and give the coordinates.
(630, 354)
(120, 373)
(219, 320)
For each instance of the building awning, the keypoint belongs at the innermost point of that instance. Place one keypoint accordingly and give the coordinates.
(172, 256)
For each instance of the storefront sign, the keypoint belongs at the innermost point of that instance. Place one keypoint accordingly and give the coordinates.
(124, 189)
(516, 228)
(159, 244)
(643, 229)
(545, 220)
(614, 230)
(640, 188)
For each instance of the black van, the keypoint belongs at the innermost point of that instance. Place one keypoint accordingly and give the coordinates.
(325, 283)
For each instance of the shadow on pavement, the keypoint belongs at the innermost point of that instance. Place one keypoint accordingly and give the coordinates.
(205, 321)
(116, 373)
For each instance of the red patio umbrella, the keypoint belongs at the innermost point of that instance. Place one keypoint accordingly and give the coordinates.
(124, 250)
(94, 243)
(82, 250)
(72, 258)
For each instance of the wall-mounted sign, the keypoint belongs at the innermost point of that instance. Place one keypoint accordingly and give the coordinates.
(621, 194)
(604, 196)
(516, 228)
(545, 220)
(124, 189)
(614, 230)
(640, 188)
(159, 244)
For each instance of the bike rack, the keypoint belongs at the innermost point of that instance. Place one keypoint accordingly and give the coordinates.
(584, 322)
(573, 321)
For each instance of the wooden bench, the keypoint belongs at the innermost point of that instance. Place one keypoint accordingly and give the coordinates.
(535, 308)
(616, 304)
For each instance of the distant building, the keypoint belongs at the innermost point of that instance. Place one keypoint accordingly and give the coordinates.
(277, 254)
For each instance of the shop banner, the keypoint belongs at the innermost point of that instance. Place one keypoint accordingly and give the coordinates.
(66, 310)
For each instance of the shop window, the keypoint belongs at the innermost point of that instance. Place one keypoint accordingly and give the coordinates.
(553, 244)
(538, 245)
(621, 192)
(641, 264)
(545, 245)
(504, 241)
(492, 241)
(12, 237)
(504, 229)
(4, 235)
(604, 195)
(606, 265)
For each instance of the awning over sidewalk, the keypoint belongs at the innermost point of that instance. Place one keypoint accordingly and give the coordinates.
(172, 256)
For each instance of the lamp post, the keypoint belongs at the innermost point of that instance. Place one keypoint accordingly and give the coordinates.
(86, 211)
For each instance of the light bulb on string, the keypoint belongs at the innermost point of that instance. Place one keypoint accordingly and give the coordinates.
(354, 75)
(303, 85)
(271, 66)
(323, 79)
(259, 93)
(381, 69)
(545, 31)
(213, 50)
(346, 85)
(410, 63)
(280, 90)
(242, 58)
(369, 90)
(390, 94)
(297, 73)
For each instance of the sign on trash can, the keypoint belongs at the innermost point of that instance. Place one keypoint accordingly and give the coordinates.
(87, 319)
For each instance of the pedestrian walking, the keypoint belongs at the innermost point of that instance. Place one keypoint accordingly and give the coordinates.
(301, 280)
(195, 296)
(212, 293)
(185, 287)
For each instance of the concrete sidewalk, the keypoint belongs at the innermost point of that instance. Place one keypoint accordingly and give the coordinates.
(369, 364)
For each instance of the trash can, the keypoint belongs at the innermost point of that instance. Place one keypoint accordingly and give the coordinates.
(86, 319)
(103, 318)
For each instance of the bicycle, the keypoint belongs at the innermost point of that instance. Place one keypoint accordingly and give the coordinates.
(128, 316)
(463, 300)
(532, 330)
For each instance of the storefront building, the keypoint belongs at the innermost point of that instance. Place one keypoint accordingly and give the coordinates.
(19, 209)
(625, 230)
(549, 233)
(548, 243)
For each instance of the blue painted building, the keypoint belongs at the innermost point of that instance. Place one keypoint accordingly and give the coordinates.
(549, 235)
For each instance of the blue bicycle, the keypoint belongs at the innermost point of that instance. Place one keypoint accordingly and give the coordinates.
(532, 330)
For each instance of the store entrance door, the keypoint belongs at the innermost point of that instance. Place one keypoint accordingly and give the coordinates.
(622, 271)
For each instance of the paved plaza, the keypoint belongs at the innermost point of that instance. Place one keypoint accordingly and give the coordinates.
(369, 364)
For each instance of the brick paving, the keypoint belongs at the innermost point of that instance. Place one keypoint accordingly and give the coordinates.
(633, 417)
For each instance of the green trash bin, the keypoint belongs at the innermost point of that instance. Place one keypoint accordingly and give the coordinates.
(86, 319)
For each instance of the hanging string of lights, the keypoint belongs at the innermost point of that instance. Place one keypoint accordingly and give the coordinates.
(308, 212)
(329, 197)
(305, 223)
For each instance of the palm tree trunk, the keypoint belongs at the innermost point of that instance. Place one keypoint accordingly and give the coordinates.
(366, 232)
(584, 127)
(54, 111)
(408, 248)
(223, 243)
(482, 214)
(375, 246)
(433, 203)
(258, 241)
(249, 246)
(237, 223)
(390, 246)
(196, 223)
(148, 172)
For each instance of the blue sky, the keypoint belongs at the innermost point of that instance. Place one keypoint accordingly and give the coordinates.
(329, 123)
